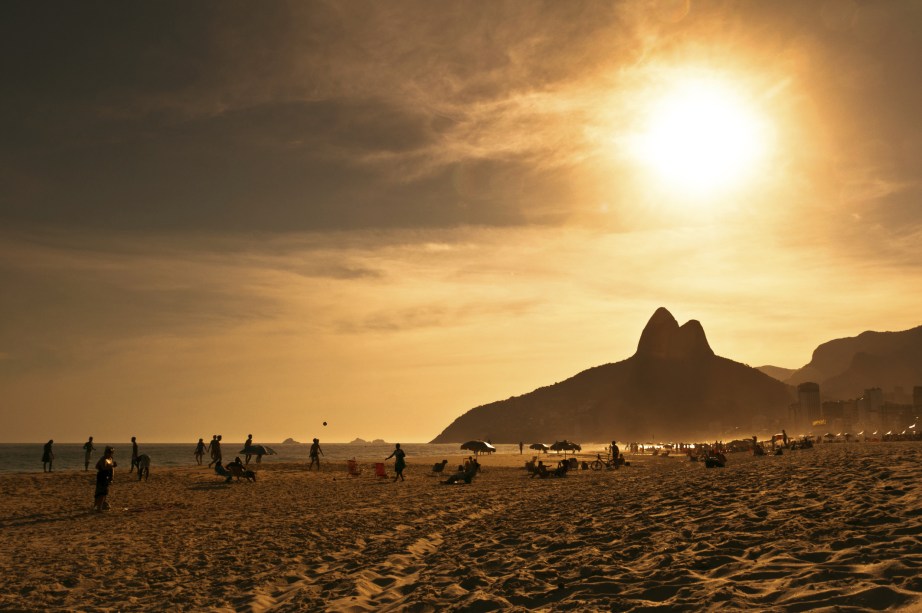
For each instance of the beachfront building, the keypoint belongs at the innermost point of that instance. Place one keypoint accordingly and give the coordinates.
(841, 416)
(811, 411)
(894, 417)
(869, 409)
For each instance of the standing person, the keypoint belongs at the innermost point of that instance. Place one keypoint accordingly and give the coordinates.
(521, 447)
(88, 449)
(399, 461)
(784, 438)
(315, 454)
(199, 451)
(246, 449)
(48, 457)
(134, 455)
(105, 471)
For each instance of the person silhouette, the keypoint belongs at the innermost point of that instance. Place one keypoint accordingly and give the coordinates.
(216, 455)
(105, 470)
(134, 454)
(315, 454)
(88, 450)
(48, 457)
(399, 462)
(199, 451)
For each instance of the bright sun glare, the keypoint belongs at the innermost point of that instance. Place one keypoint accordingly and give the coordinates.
(701, 137)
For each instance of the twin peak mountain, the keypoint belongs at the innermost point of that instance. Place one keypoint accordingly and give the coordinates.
(673, 388)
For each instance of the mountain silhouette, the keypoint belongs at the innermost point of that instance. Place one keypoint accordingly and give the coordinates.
(673, 388)
(845, 367)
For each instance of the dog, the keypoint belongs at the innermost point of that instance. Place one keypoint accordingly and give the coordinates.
(143, 466)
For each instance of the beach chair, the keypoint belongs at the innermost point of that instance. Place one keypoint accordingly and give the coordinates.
(438, 468)
(380, 471)
(353, 467)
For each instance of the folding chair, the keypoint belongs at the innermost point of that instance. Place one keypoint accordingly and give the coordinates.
(380, 471)
(353, 466)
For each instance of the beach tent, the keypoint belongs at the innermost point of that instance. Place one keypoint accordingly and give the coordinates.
(478, 447)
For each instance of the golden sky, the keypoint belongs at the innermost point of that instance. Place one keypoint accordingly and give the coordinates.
(380, 215)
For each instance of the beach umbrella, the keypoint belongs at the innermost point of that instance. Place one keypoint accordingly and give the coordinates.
(565, 446)
(478, 447)
(539, 447)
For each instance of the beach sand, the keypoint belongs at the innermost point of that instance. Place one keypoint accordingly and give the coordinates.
(837, 526)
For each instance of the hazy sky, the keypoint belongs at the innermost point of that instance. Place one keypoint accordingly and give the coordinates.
(229, 217)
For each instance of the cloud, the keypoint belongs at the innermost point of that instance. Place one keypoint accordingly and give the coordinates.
(211, 208)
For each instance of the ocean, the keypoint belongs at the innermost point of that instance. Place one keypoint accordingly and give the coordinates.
(27, 457)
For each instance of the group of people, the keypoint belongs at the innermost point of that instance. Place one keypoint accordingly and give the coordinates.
(213, 449)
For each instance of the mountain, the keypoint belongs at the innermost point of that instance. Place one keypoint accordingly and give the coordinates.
(845, 367)
(777, 372)
(673, 387)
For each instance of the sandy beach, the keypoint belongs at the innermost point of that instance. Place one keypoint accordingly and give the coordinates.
(838, 526)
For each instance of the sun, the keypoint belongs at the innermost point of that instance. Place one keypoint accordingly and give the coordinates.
(701, 137)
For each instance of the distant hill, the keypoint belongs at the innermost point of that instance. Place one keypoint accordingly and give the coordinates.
(776, 372)
(845, 367)
(673, 387)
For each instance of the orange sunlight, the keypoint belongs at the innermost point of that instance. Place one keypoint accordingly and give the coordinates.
(702, 137)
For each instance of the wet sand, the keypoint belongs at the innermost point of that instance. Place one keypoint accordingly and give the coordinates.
(837, 526)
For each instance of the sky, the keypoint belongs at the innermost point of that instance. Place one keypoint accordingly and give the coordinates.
(228, 217)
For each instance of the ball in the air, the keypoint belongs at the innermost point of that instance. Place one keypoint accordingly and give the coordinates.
(324, 423)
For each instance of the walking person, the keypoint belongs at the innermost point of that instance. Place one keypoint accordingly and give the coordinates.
(215, 446)
(399, 462)
(199, 451)
(214, 437)
(105, 471)
(315, 454)
(88, 450)
(48, 457)
(134, 455)
(246, 449)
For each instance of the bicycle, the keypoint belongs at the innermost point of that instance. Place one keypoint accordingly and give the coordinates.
(599, 463)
